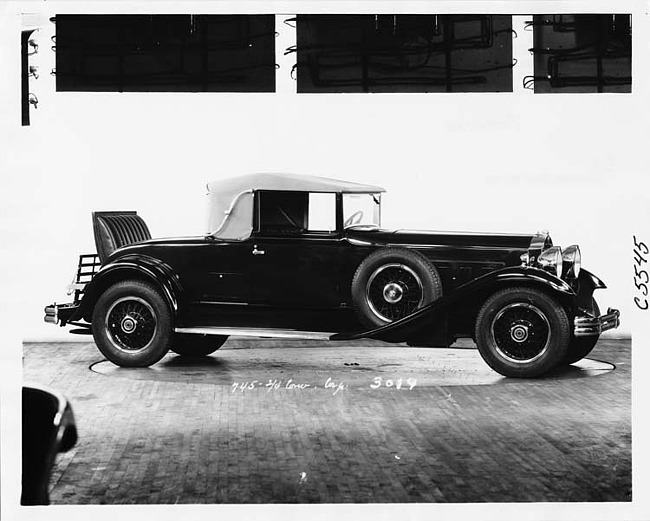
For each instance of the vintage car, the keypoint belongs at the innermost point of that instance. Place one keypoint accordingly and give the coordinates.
(290, 256)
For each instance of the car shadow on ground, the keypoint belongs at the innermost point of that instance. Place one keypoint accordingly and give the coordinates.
(444, 366)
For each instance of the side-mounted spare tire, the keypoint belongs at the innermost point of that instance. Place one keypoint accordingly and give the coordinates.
(522, 332)
(392, 283)
(132, 324)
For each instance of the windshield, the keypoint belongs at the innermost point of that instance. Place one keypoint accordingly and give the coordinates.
(361, 210)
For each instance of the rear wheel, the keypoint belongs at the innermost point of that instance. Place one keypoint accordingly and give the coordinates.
(522, 332)
(132, 324)
(197, 345)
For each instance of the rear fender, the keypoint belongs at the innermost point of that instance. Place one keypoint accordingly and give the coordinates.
(475, 290)
(133, 266)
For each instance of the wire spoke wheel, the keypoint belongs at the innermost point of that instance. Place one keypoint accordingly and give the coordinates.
(392, 283)
(131, 324)
(521, 332)
(394, 291)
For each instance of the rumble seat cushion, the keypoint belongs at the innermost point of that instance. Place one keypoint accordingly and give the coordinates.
(113, 230)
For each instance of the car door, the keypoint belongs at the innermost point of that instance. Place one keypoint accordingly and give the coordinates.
(303, 271)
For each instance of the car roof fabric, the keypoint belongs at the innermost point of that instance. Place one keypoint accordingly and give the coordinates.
(230, 201)
(289, 182)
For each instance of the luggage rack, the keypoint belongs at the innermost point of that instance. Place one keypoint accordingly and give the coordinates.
(89, 265)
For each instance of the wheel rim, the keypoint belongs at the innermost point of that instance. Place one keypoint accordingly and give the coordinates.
(393, 292)
(521, 333)
(131, 324)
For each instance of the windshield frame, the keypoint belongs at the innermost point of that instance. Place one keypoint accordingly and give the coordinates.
(376, 222)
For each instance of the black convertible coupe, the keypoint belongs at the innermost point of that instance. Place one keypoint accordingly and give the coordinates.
(290, 256)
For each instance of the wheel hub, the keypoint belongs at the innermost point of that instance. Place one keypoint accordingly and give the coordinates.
(129, 324)
(393, 293)
(519, 333)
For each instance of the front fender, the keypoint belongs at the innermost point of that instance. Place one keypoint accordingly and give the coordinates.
(587, 284)
(589, 279)
(408, 327)
(133, 266)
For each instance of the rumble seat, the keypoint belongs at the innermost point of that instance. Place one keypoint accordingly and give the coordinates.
(116, 229)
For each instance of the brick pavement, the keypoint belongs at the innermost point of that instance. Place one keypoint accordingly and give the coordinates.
(177, 433)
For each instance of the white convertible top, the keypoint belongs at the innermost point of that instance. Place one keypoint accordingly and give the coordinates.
(230, 201)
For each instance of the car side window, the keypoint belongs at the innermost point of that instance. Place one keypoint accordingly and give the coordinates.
(294, 213)
(283, 213)
(322, 212)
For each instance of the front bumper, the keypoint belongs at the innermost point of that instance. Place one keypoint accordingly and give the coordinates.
(60, 313)
(589, 326)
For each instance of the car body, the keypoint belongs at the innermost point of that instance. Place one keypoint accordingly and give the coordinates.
(302, 256)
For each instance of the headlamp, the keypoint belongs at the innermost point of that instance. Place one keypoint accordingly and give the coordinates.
(571, 261)
(551, 260)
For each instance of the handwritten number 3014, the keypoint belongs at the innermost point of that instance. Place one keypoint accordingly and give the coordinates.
(641, 277)
(397, 383)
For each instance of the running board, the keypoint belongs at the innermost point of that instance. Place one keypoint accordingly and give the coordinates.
(256, 332)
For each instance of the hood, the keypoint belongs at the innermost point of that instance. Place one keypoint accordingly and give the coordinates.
(446, 239)
(490, 250)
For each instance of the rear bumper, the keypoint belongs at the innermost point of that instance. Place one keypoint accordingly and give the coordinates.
(589, 326)
(60, 313)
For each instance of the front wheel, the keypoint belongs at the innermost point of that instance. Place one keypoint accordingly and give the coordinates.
(132, 324)
(197, 345)
(522, 332)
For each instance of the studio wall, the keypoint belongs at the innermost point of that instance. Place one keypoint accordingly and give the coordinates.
(489, 162)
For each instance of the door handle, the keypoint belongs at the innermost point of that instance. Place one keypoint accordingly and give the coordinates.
(258, 252)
